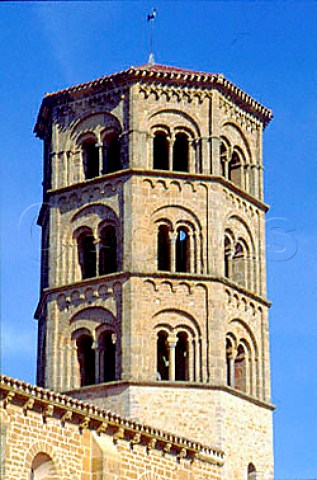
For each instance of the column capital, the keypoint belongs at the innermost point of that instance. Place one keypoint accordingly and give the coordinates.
(172, 341)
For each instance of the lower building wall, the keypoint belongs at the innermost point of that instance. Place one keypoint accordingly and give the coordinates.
(241, 428)
(37, 448)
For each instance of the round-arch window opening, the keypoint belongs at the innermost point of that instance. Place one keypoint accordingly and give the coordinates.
(182, 251)
(181, 153)
(86, 358)
(181, 357)
(160, 151)
(162, 356)
(91, 158)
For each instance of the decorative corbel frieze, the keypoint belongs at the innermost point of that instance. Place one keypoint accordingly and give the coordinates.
(181, 454)
(66, 416)
(167, 448)
(102, 428)
(7, 399)
(151, 444)
(84, 424)
(47, 411)
(135, 440)
(28, 405)
(119, 435)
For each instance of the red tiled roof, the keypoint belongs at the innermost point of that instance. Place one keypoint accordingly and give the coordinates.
(156, 67)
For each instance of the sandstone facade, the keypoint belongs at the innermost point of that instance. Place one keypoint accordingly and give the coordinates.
(153, 284)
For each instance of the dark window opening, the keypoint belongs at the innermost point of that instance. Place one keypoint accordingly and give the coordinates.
(240, 370)
(108, 251)
(228, 362)
(86, 358)
(251, 472)
(235, 170)
(112, 160)
(181, 153)
(181, 357)
(87, 255)
(182, 251)
(160, 152)
(91, 159)
(107, 357)
(162, 356)
(164, 249)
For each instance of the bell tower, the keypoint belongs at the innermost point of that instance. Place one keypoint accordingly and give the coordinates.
(153, 284)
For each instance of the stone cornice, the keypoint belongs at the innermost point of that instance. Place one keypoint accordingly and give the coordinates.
(87, 416)
(149, 74)
(192, 177)
(124, 276)
(182, 385)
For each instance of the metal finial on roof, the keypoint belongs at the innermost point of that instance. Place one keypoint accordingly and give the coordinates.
(150, 18)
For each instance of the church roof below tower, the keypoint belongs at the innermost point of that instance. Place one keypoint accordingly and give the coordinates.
(158, 73)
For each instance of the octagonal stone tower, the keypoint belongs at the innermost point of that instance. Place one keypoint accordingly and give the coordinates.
(153, 285)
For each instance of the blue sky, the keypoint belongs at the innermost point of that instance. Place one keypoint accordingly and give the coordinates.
(267, 48)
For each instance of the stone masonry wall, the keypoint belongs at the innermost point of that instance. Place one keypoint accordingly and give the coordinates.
(241, 428)
(28, 437)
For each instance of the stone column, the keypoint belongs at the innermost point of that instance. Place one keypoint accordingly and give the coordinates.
(191, 360)
(173, 238)
(75, 369)
(205, 156)
(64, 168)
(171, 341)
(197, 360)
(247, 372)
(149, 161)
(54, 169)
(215, 156)
(100, 155)
(170, 152)
(193, 253)
(97, 246)
(96, 349)
(231, 367)
(247, 178)
(69, 157)
(98, 363)
(191, 156)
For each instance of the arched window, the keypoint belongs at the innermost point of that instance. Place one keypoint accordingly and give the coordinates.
(43, 467)
(240, 369)
(86, 358)
(112, 154)
(87, 255)
(240, 264)
(181, 153)
(160, 151)
(107, 357)
(181, 357)
(162, 363)
(182, 251)
(235, 170)
(229, 362)
(164, 249)
(251, 472)
(91, 158)
(108, 250)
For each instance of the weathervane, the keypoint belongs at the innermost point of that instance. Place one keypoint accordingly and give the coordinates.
(150, 18)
